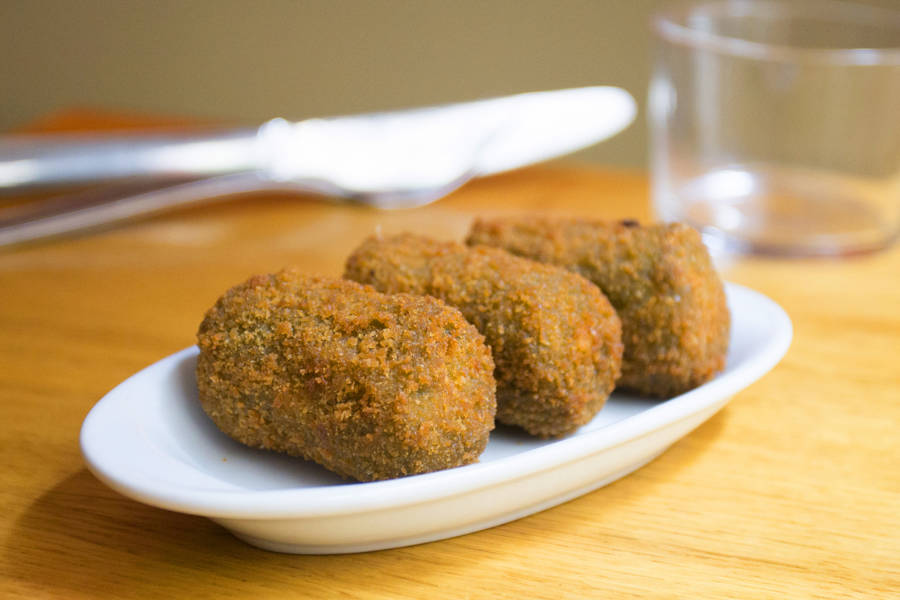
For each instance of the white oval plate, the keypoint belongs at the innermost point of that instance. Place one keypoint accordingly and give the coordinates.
(149, 439)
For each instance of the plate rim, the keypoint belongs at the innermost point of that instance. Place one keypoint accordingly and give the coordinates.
(359, 497)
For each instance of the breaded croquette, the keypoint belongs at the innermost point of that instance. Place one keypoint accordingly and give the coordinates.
(368, 385)
(660, 279)
(555, 338)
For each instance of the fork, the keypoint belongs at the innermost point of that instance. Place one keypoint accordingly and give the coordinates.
(89, 210)
(416, 178)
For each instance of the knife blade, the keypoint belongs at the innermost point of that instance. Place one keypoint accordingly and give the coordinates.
(360, 152)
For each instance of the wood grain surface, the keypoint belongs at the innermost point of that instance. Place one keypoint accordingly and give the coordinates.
(792, 491)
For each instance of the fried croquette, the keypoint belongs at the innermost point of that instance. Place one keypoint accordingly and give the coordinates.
(555, 338)
(368, 385)
(660, 279)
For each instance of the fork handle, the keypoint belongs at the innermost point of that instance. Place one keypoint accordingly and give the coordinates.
(120, 202)
(38, 160)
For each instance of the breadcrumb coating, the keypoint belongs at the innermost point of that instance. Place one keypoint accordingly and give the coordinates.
(660, 279)
(368, 385)
(555, 338)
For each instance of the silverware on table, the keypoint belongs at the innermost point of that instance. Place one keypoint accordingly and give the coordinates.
(389, 160)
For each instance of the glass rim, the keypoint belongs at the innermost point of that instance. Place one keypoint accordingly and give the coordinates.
(669, 24)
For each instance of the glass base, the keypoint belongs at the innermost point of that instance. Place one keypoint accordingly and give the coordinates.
(785, 212)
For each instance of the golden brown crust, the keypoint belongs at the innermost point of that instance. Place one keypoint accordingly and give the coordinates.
(555, 338)
(368, 385)
(660, 279)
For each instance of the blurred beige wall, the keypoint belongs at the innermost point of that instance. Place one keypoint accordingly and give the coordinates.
(247, 61)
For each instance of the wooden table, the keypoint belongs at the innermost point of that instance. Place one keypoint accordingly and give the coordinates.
(793, 490)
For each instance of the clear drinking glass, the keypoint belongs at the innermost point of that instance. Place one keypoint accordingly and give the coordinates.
(775, 126)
